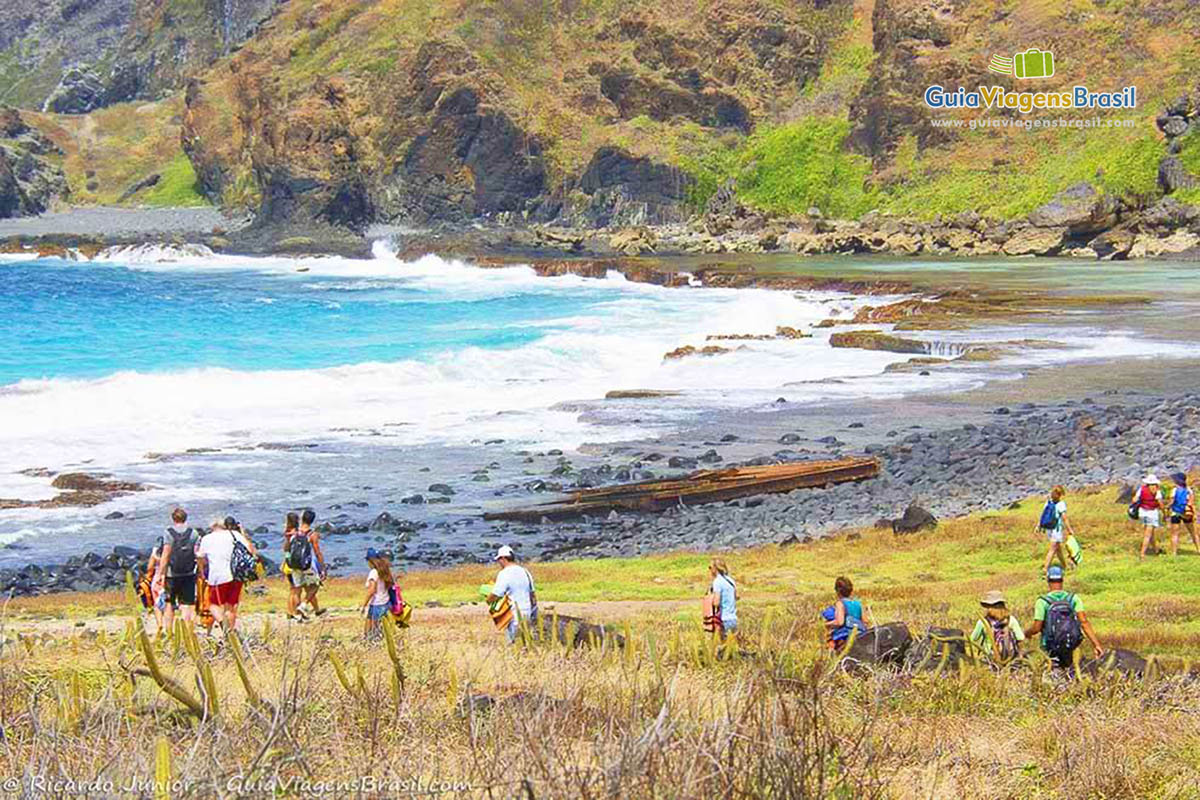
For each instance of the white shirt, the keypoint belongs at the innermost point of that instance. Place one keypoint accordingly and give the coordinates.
(217, 547)
(381, 597)
(516, 582)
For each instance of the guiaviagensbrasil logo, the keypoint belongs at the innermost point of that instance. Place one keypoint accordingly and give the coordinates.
(1033, 63)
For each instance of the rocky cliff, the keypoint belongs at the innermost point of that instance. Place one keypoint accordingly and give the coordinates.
(744, 118)
(72, 56)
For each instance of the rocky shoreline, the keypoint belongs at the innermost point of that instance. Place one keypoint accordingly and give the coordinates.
(1079, 222)
(926, 473)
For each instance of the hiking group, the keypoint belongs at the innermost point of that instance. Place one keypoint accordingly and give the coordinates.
(1060, 623)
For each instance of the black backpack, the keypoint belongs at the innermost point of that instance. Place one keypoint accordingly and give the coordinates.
(300, 552)
(242, 564)
(183, 552)
(1063, 633)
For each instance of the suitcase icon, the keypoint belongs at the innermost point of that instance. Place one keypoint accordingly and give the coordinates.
(1033, 63)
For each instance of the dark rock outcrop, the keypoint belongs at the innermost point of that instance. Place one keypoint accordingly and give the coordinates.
(915, 519)
(1080, 208)
(885, 645)
(938, 649)
(624, 189)
(29, 183)
(641, 95)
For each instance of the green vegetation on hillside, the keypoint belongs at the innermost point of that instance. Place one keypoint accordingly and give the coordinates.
(1120, 161)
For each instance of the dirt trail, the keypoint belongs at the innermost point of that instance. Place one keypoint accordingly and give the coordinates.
(597, 611)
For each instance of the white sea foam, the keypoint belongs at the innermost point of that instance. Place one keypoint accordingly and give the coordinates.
(521, 394)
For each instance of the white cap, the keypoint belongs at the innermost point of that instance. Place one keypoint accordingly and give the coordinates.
(504, 552)
(1150, 480)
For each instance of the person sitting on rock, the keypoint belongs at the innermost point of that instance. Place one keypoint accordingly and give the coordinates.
(1059, 619)
(1149, 502)
(1051, 523)
(846, 616)
(998, 634)
(1183, 512)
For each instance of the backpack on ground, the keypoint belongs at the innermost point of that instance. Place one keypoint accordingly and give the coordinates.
(300, 552)
(183, 552)
(1004, 640)
(1049, 519)
(242, 564)
(1063, 631)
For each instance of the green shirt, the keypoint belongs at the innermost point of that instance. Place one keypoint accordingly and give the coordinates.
(1043, 605)
(983, 639)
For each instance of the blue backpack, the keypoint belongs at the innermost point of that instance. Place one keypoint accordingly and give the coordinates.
(1180, 501)
(1049, 516)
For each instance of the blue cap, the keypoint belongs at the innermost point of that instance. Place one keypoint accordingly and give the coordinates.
(1055, 573)
(373, 553)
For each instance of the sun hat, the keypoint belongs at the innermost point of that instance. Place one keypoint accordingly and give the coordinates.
(992, 598)
(1055, 573)
(1150, 480)
(504, 552)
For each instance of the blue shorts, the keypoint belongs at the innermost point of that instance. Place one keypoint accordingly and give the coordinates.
(376, 613)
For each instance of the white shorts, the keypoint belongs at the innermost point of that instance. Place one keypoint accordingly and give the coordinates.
(1150, 518)
(1055, 535)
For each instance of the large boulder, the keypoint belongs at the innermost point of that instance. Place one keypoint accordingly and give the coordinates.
(1035, 242)
(915, 519)
(885, 645)
(1173, 176)
(874, 340)
(1119, 661)
(78, 92)
(939, 649)
(1080, 208)
(577, 632)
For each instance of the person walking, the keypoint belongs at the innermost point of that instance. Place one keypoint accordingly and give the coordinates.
(846, 615)
(1183, 512)
(722, 613)
(291, 525)
(378, 600)
(306, 564)
(151, 592)
(1060, 622)
(215, 559)
(1149, 503)
(998, 634)
(176, 573)
(1051, 524)
(515, 584)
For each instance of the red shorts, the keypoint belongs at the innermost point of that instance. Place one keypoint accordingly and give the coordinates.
(226, 594)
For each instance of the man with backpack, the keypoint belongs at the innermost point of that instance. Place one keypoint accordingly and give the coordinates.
(306, 563)
(1059, 619)
(514, 585)
(176, 571)
(226, 557)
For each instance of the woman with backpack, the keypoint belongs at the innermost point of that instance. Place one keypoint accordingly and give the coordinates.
(846, 616)
(721, 603)
(380, 584)
(1051, 524)
(998, 634)
(1149, 503)
(1183, 512)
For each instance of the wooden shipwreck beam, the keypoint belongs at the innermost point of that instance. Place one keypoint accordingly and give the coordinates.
(705, 486)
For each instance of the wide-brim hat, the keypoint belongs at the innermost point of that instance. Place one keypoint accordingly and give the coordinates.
(992, 598)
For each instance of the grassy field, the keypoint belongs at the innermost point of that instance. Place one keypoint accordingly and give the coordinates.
(662, 718)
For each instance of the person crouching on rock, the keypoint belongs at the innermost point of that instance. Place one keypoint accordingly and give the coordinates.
(1149, 502)
(214, 558)
(998, 634)
(378, 601)
(846, 616)
(1052, 523)
(1183, 512)
(514, 584)
(721, 604)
